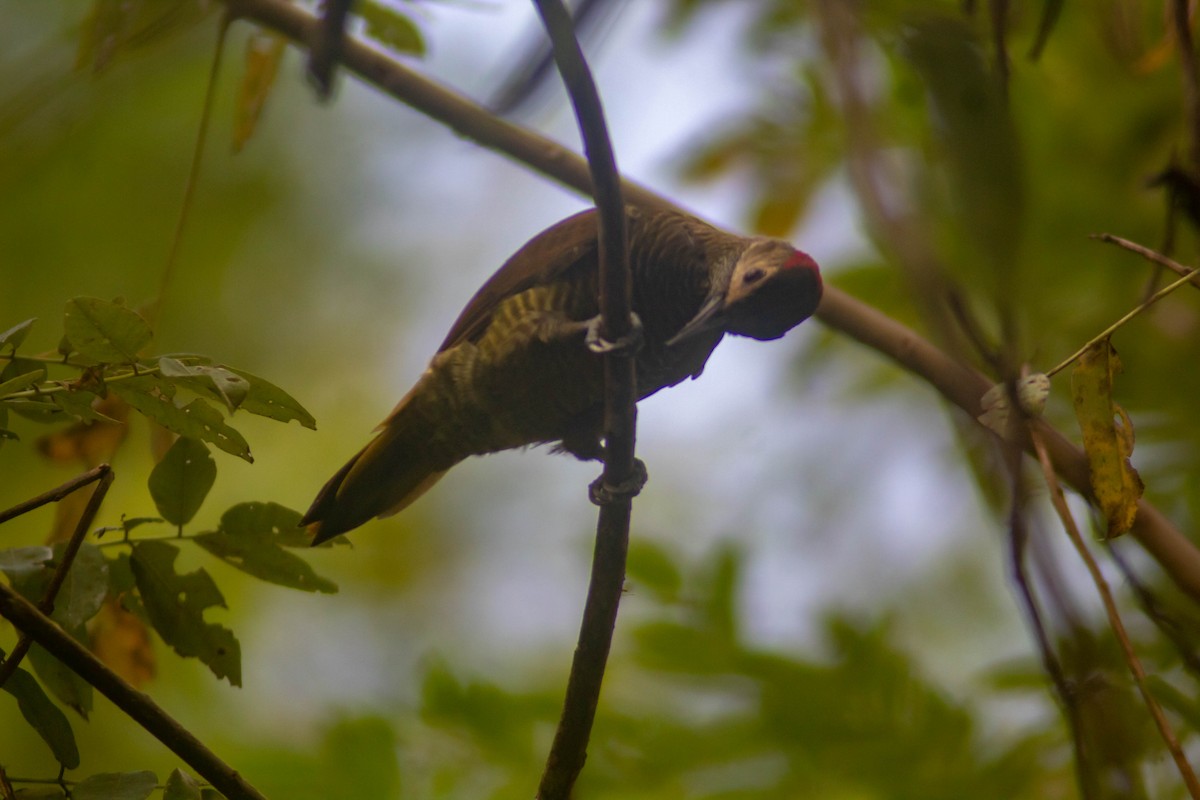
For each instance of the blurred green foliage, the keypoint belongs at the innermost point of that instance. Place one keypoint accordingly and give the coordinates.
(966, 185)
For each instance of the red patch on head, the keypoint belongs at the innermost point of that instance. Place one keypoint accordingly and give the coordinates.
(801, 260)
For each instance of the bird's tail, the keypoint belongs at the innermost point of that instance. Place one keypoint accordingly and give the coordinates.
(387, 475)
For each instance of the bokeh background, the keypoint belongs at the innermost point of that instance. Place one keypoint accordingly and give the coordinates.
(818, 603)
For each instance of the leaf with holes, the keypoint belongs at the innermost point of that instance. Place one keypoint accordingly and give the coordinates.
(105, 331)
(220, 383)
(181, 481)
(249, 539)
(267, 400)
(197, 419)
(175, 605)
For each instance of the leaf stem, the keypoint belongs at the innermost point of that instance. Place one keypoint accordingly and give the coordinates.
(1139, 308)
(1058, 499)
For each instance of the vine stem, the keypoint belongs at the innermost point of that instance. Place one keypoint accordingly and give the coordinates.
(1058, 499)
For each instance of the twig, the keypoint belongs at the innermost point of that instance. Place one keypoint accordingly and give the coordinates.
(1175, 631)
(1139, 308)
(1018, 538)
(138, 706)
(326, 48)
(54, 495)
(1152, 256)
(193, 178)
(568, 752)
(958, 383)
(103, 473)
(1114, 617)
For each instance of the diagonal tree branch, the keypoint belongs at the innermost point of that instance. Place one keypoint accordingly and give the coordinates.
(103, 476)
(568, 752)
(26, 618)
(960, 384)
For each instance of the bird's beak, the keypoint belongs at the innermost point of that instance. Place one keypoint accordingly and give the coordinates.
(710, 316)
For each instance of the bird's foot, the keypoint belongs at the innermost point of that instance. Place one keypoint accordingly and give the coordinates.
(628, 344)
(602, 493)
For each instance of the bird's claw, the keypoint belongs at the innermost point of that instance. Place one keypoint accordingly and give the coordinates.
(602, 493)
(628, 344)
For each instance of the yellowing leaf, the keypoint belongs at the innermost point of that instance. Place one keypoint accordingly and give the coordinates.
(264, 51)
(1108, 443)
(392, 29)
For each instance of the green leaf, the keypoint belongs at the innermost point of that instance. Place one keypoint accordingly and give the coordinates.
(116, 786)
(44, 411)
(20, 366)
(21, 381)
(180, 482)
(176, 603)
(197, 419)
(14, 336)
(254, 518)
(219, 382)
(105, 331)
(267, 400)
(249, 539)
(365, 748)
(40, 793)
(46, 718)
(181, 786)
(85, 588)
(61, 681)
(389, 27)
(79, 405)
(650, 566)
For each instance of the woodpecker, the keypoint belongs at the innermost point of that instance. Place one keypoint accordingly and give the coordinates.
(515, 370)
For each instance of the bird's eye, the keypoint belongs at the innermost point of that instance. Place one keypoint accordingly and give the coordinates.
(753, 275)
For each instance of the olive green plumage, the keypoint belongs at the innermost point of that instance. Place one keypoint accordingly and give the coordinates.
(514, 369)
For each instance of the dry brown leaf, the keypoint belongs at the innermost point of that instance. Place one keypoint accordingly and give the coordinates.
(120, 640)
(1107, 442)
(264, 51)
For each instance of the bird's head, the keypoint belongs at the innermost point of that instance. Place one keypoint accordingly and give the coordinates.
(773, 288)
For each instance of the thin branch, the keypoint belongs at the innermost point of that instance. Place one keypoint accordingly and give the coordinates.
(1018, 538)
(958, 383)
(54, 495)
(138, 706)
(193, 178)
(1176, 631)
(1114, 618)
(326, 48)
(1152, 256)
(568, 752)
(103, 473)
(1138, 309)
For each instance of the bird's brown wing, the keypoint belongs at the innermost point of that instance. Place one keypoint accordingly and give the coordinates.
(542, 260)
